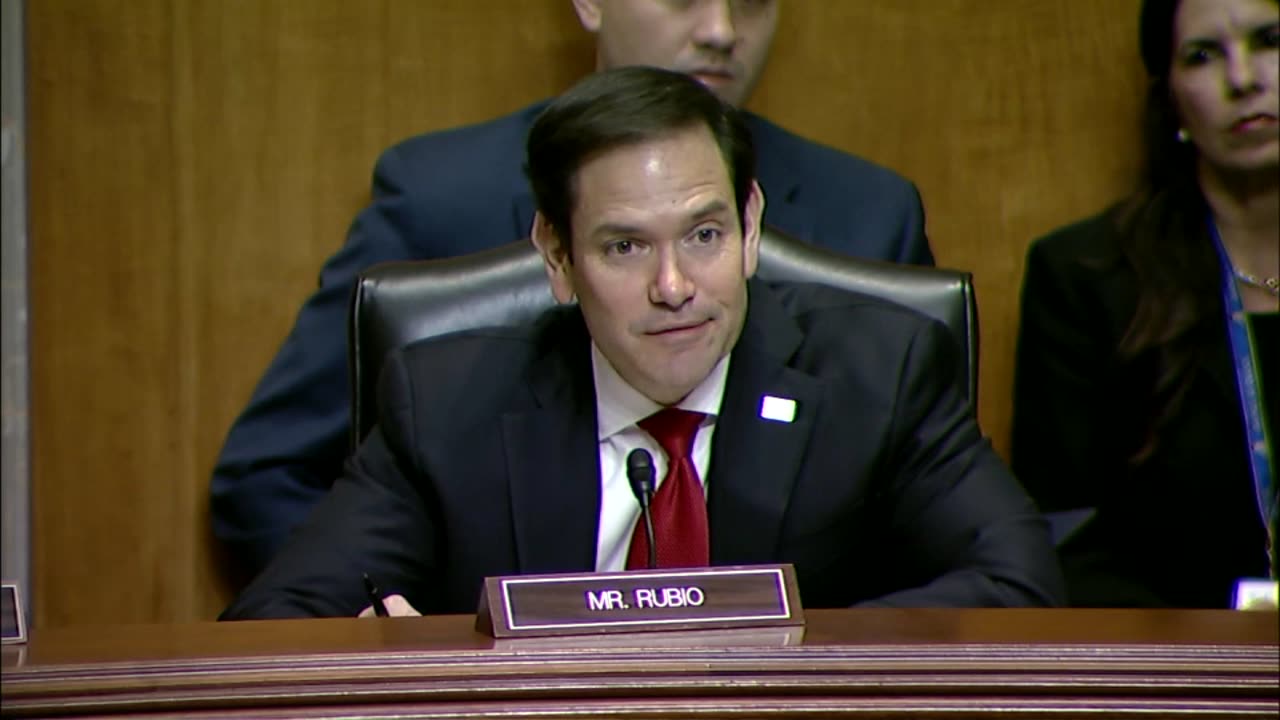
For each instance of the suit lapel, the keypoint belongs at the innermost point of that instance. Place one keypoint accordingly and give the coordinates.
(553, 460)
(781, 182)
(553, 454)
(522, 207)
(755, 461)
(793, 220)
(522, 204)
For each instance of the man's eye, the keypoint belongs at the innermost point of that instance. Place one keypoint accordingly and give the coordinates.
(621, 247)
(706, 236)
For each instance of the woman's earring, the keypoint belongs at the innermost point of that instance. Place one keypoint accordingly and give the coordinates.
(1183, 136)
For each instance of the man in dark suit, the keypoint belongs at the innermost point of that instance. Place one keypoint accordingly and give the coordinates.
(828, 426)
(450, 193)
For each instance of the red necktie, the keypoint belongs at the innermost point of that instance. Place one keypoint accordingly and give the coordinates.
(679, 508)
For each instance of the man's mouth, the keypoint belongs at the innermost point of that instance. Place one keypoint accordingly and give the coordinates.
(677, 330)
(713, 76)
(677, 327)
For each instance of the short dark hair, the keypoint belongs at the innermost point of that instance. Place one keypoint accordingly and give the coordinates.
(621, 107)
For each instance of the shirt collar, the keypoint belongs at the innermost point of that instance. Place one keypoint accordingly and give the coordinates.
(619, 406)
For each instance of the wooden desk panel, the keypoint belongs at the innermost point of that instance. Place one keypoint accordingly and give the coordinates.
(870, 663)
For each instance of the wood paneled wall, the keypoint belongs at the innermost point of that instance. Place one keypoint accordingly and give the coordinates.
(193, 162)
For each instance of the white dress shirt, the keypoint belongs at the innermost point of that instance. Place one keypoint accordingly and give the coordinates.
(618, 408)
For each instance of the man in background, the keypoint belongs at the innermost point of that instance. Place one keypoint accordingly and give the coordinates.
(459, 191)
(788, 423)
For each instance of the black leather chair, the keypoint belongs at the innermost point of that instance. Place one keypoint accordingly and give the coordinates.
(397, 303)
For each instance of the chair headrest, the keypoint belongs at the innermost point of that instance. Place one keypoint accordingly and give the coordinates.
(397, 303)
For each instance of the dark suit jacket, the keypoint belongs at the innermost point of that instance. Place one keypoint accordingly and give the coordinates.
(485, 462)
(1177, 530)
(451, 193)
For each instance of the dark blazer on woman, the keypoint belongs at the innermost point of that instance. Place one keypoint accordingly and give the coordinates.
(1176, 530)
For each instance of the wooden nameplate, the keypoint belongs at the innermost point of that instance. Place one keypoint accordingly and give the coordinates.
(639, 601)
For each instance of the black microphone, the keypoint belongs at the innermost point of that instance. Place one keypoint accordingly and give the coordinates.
(640, 475)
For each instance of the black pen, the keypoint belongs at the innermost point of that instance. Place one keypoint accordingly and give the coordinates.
(375, 597)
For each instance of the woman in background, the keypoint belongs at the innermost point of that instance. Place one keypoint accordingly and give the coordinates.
(1147, 361)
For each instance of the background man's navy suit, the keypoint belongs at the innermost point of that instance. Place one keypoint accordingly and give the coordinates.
(459, 191)
(485, 461)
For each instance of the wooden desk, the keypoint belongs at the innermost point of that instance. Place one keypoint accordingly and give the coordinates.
(868, 663)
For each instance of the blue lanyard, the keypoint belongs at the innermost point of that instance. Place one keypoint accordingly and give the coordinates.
(1247, 383)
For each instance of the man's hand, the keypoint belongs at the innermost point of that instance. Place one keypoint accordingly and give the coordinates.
(397, 606)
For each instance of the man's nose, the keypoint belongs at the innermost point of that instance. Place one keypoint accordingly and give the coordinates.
(671, 285)
(714, 25)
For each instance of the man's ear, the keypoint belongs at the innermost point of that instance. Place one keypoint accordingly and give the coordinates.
(555, 257)
(588, 14)
(752, 217)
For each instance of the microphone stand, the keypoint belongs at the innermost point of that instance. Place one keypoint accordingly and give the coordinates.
(640, 476)
(648, 533)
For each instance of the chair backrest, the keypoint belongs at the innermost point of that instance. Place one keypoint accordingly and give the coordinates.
(397, 303)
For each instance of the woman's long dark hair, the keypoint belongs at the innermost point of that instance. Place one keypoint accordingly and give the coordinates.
(1164, 236)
